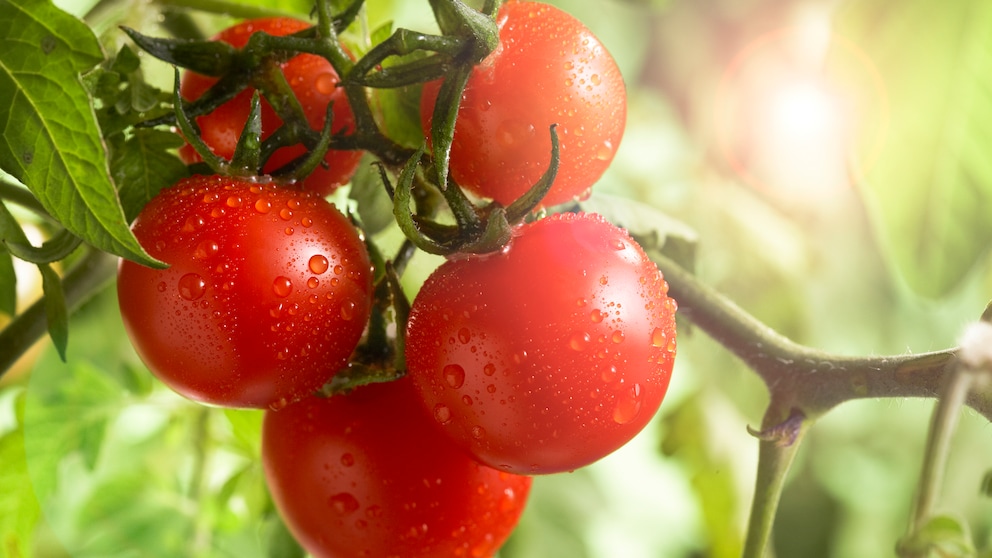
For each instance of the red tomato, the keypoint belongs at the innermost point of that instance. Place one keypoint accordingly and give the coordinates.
(314, 82)
(367, 474)
(547, 69)
(550, 354)
(267, 293)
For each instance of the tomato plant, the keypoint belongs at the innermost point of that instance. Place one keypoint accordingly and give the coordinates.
(400, 403)
(549, 355)
(267, 293)
(313, 81)
(367, 474)
(548, 69)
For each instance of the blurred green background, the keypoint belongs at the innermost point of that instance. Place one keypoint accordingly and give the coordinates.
(831, 158)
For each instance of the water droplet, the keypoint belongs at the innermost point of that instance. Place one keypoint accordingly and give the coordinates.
(596, 316)
(609, 375)
(659, 338)
(192, 286)
(285, 214)
(263, 206)
(442, 413)
(618, 244)
(192, 223)
(306, 222)
(579, 341)
(218, 212)
(454, 375)
(618, 336)
(282, 286)
(478, 432)
(604, 280)
(338, 270)
(325, 83)
(347, 460)
(347, 310)
(233, 201)
(162, 287)
(343, 503)
(489, 369)
(467, 400)
(605, 151)
(595, 79)
(464, 335)
(510, 132)
(628, 405)
(491, 388)
(318, 264)
(278, 404)
(373, 512)
(206, 249)
(313, 282)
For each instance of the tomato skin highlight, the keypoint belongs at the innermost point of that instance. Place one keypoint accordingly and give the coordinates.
(367, 475)
(267, 293)
(548, 69)
(548, 355)
(313, 81)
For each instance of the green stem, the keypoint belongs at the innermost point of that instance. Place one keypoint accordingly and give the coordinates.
(774, 461)
(93, 272)
(942, 427)
(815, 380)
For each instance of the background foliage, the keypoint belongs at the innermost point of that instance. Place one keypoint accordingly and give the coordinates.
(882, 248)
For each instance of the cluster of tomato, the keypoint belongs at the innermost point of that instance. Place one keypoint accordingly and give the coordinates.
(541, 357)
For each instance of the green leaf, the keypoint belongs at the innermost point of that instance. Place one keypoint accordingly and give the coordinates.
(8, 284)
(51, 141)
(55, 308)
(143, 165)
(930, 188)
(947, 535)
(19, 510)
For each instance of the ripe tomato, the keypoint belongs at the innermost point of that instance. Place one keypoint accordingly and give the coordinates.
(548, 68)
(548, 355)
(367, 474)
(314, 82)
(267, 293)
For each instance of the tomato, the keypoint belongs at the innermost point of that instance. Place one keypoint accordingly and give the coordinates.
(548, 355)
(314, 82)
(267, 293)
(367, 474)
(547, 69)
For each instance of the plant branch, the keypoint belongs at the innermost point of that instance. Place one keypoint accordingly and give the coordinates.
(811, 380)
(774, 460)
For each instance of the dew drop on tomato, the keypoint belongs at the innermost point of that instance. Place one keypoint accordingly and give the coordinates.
(628, 405)
(263, 206)
(206, 249)
(442, 413)
(454, 375)
(347, 310)
(659, 338)
(579, 341)
(192, 286)
(318, 264)
(282, 286)
(325, 83)
(343, 503)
